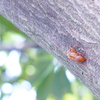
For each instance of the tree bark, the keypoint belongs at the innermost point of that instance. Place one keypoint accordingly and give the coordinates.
(56, 25)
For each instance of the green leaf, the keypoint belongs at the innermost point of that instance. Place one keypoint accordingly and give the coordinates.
(42, 74)
(44, 88)
(60, 84)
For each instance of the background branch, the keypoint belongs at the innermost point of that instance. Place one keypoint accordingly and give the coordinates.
(20, 46)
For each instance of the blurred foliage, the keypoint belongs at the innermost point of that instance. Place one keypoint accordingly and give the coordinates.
(38, 67)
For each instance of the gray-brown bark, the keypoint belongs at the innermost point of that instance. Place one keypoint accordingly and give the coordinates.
(58, 24)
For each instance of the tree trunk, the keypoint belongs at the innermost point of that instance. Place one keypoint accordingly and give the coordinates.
(56, 25)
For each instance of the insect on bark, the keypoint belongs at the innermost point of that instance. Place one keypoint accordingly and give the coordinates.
(74, 55)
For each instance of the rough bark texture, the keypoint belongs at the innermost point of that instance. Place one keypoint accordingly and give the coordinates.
(58, 24)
